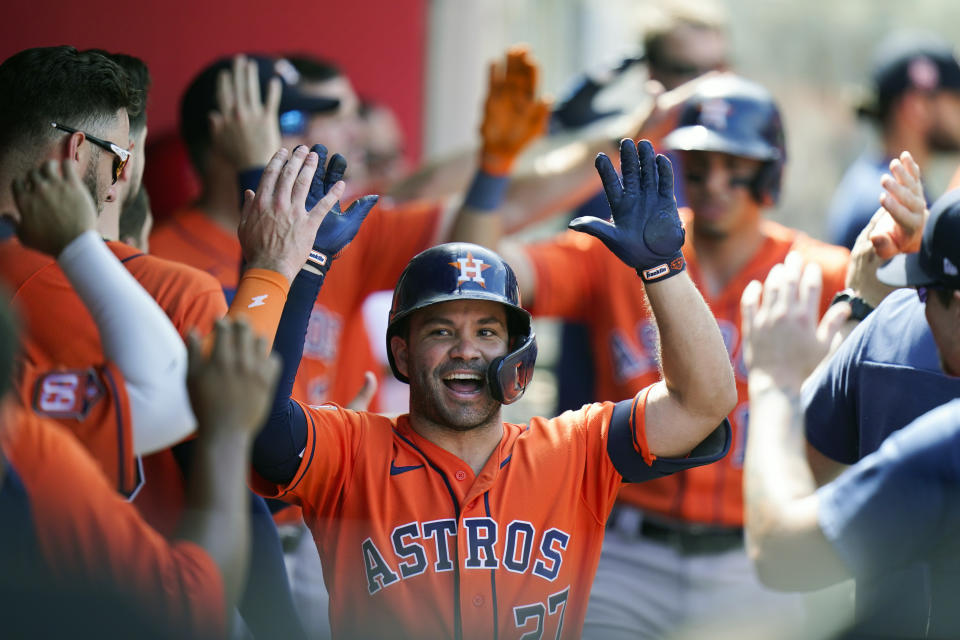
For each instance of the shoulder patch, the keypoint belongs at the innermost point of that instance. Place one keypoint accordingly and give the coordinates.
(69, 393)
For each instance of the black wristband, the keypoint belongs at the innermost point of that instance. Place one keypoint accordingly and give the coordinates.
(669, 268)
(859, 308)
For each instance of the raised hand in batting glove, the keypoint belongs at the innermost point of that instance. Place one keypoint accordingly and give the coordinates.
(576, 109)
(645, 230)
(513, 115)
(338, 227)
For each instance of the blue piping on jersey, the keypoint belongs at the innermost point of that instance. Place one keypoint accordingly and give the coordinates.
(457, 615)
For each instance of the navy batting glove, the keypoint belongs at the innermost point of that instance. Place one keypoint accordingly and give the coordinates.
(326, 176)
(338, 227)
(576, 109)
(645, 232)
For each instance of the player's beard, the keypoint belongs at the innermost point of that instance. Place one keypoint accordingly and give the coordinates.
(91, 178)
(426, 400)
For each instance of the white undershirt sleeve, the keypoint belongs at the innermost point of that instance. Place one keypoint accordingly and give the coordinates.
(138, 338)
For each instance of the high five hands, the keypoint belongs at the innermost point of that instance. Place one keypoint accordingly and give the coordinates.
(286, 222)
(645, 231)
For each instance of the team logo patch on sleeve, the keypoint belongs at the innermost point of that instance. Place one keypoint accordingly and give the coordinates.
(67, 394)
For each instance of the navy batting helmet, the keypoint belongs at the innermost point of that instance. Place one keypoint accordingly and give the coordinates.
(733, 115)
(461, 271)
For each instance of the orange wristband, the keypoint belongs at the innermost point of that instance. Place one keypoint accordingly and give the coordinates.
(260, 297)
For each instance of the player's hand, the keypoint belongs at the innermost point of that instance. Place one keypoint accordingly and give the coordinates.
(54, 207)
(782, 341)
(645, 232)
(245, 130)
(513, 116)
(361, 401)
(864, 262)
(901, 230)
(231, 384)
(667, 105)
(576, 110)
(338, 228)
(276, 231)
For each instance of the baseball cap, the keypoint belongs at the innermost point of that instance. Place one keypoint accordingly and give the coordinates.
(938, 261)
(200, 98)
(910, 61)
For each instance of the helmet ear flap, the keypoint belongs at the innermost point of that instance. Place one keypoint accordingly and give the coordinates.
(765, 187)
(509, 375)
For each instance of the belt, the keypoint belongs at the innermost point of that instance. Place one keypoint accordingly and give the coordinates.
(687, 538)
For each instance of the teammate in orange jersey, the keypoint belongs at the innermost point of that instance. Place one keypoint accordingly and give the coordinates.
(89, 90)
(686, 529)
(448, 522)
(87, 96)
(240, 139)
(87, 563)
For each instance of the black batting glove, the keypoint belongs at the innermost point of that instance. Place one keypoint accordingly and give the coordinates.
(645, 231)
(338, 228)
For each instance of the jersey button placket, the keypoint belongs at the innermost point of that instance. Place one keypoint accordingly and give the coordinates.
(460, 475)
(478, 600)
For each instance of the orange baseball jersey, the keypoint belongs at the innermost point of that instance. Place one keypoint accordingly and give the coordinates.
(59, 336)
(93, 540)
(190, 237)
(414, 545)
(337, 349)
(580, 279)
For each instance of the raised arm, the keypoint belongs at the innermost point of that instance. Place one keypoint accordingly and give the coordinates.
(230, 389)
(277, 450)
(896, 227)
(697, 390)
(57, 216)
(782, 345)
(513, 116)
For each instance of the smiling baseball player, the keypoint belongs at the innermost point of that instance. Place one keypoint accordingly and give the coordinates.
(449, 522)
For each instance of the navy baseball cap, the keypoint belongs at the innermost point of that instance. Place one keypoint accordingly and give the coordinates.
(200, 98)
(938, 261)
(910, 61)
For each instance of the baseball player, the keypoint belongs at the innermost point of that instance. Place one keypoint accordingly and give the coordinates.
(854, 403)
(914, 103)
(686, 528)
(59, 80)
(891, 519)
(89, 90)
(89, 564)
(204, 236)
(448, 522)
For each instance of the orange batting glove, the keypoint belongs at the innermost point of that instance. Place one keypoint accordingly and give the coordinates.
(513, 116)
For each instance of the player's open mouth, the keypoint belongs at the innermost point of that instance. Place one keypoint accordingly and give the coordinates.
(464, 382)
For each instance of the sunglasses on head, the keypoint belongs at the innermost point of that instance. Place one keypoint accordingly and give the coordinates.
(120, 155)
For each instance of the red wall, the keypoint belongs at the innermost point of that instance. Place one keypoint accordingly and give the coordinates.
(379, 43)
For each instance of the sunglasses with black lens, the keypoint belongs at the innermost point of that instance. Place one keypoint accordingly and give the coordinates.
(120, 155)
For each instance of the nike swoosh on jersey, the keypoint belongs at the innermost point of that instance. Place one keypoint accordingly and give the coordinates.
(395, 470)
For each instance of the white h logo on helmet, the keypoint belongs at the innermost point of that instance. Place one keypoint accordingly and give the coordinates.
(471, 270)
